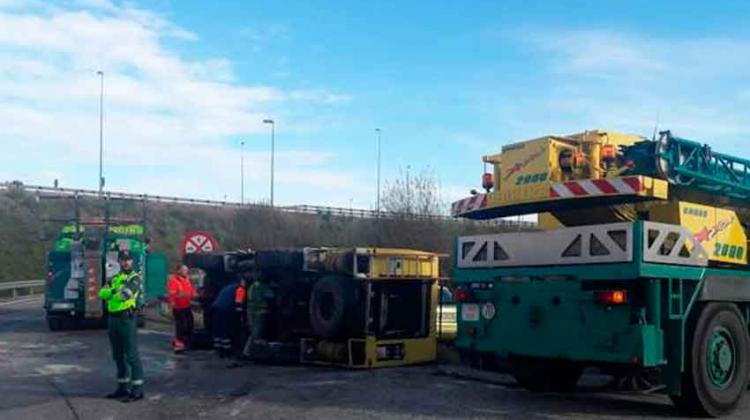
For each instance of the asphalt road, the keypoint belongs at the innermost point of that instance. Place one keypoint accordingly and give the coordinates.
(64, 375)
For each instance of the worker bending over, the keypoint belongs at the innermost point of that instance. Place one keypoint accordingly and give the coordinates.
(222, 316)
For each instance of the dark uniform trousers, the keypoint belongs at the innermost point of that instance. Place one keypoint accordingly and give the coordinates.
(123, 337)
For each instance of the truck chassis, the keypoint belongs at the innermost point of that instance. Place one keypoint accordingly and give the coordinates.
(633, 297)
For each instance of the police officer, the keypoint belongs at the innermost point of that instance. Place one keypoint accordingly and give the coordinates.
(121, 294)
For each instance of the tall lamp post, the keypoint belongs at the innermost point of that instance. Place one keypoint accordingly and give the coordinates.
(377, 130)
(273, 129)
(101, 131)
(242, 173)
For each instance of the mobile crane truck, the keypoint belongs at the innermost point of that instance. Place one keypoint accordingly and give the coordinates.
(640, 266)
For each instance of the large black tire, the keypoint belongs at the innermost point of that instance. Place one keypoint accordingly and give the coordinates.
(716, 362)
(54, 323)
(332, 305)
(538, 375)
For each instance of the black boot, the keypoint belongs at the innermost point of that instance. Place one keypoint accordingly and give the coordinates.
(134, 395)
(120, 392)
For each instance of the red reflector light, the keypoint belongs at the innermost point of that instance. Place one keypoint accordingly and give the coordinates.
(609, 153)
(463, 295)
(612, 297)
(50, 276)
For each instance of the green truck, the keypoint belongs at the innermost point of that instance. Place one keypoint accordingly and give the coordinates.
(84, 257)
(639, 269)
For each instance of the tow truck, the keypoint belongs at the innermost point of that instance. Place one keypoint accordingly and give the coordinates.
(639, 268)
(84, 257)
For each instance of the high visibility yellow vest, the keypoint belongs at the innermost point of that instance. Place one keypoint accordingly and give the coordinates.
(123, 292)
(257, 297)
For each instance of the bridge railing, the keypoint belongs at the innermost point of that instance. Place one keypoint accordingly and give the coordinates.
(301, 209)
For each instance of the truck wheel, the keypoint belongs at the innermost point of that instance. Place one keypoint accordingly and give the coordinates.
(546, 375)
(70, 323)
(330, 303)
(469, 358)
(54, 323)
(716, 362)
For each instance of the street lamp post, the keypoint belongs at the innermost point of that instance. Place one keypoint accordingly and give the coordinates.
(101, 131)
(273, 129)
(242, 173)
(377, 130)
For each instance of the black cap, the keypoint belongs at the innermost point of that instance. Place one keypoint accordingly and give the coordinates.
(124, 255)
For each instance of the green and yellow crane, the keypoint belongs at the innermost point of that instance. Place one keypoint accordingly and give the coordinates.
(640, 266)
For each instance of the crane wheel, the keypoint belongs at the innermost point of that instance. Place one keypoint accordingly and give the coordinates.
(716, 362)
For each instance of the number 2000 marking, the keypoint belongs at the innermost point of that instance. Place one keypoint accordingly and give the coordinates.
(731, 251)
(531, 179)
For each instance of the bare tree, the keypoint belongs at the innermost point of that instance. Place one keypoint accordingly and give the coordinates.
(414, 194)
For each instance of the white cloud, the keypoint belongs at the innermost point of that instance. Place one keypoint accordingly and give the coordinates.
(625, 81)
(259, 36)
(164, 113)
(99, 4)
(599, 52)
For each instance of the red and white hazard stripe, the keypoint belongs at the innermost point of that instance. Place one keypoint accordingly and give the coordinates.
(475, 202)
(597, 187)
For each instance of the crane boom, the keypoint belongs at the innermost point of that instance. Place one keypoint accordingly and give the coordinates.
(695, 165)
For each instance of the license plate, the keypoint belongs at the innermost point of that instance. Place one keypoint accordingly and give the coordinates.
(470, 312)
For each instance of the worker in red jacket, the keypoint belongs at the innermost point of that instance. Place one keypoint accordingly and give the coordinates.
(180, 293)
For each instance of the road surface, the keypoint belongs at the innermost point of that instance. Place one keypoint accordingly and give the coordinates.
(64, 375)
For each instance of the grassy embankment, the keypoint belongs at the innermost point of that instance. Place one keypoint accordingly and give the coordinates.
(26, 231)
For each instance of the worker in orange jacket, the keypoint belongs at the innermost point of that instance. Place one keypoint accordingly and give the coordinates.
(240, 319)
(180, 293)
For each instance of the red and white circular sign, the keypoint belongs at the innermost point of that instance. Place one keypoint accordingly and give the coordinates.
(199, 242)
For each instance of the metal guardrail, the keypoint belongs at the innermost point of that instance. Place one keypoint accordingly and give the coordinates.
(13, 288)
(300, 209)
(373, 214)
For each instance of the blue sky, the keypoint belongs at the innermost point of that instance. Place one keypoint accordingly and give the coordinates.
(446, 81)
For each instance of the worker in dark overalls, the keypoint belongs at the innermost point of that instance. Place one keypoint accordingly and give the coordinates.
(222, 314)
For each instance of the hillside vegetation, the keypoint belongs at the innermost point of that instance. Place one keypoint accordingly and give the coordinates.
(29, 225)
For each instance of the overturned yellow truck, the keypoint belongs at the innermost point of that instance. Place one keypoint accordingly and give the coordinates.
(354, 307)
